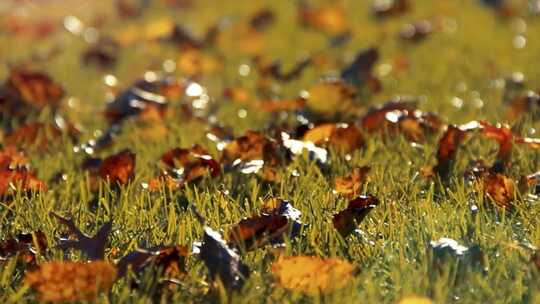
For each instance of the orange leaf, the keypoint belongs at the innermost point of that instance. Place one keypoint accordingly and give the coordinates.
(71, 281)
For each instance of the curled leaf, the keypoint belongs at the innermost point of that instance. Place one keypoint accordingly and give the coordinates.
(375, 118)
(449, 144)
(346, 221)
(312, 275)
(269, 227)
(223, 263)
(500, 189)
(140, 95)
(253, 146)
(342, 137)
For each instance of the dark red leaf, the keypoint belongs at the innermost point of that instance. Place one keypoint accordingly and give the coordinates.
(449, 144)
(27, 245)
(347, 220)
(25, 90)
(268, 227)
(118, 168)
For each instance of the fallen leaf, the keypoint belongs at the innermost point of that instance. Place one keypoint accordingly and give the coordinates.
(23, 179)
(330, 19)
(342, 137)
(347, 220)
(350, 184)
(253, 146)
(11, 158)
(66, 281)
(185, 166)
(171, 260)
(268, 227)
(118, 168)
(25, 245)
(500, 189)
(331, 97)
(92, 247)
(359, 72)
(312, 275)
(25, 90)
(275, 71)
(223, 263)
(34, 135)
(376, 118)
(449, 144)
(143, 94)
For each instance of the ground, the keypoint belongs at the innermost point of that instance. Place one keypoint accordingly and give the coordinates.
(460, 72)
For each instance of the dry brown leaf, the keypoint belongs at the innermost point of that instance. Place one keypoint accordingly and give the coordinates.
(350, 184)
(501, 189)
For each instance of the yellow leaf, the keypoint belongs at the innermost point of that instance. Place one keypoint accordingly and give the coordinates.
(312, 275)
(159, 28)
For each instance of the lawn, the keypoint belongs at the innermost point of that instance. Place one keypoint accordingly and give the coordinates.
(208, 73)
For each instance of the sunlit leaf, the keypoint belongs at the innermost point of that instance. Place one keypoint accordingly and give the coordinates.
(350, 184)
(268, 227)
(329, 19)
(71, 281)
(347, 220)
(312, 275)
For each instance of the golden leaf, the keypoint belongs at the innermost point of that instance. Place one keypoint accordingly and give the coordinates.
(67, 281)
(312, 275)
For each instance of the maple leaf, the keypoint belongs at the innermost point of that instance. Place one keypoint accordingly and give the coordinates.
(93, 247)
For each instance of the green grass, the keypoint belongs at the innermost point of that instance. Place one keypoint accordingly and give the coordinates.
(392, 253)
